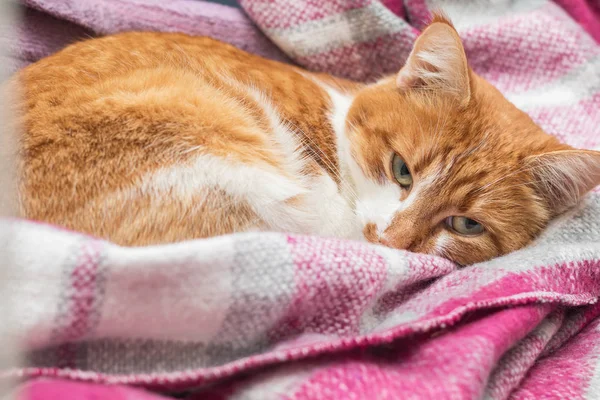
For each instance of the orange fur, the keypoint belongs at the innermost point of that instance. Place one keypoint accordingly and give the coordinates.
(103, 115)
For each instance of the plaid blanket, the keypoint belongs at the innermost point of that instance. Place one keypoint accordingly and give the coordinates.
(277, 316)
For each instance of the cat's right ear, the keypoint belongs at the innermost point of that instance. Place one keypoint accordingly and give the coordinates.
(438, 62)
(563, 177)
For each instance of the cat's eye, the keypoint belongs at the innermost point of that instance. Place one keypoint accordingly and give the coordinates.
(464, 226)
(401, 172)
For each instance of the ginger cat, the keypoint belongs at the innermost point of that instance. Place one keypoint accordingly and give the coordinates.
(146, 138)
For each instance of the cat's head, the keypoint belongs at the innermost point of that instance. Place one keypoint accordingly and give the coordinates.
(444, 164)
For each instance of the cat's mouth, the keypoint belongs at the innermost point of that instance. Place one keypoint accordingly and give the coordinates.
(372, 235)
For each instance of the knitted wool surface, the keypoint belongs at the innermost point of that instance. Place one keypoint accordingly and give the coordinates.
(276, 316)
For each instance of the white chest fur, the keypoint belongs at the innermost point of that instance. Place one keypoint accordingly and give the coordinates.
(324, 207)
(283, 198)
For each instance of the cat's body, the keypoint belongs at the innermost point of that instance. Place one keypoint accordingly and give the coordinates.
(146, 138)
(188, 138)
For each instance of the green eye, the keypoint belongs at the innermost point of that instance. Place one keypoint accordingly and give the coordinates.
(464, 226)
(401, 172)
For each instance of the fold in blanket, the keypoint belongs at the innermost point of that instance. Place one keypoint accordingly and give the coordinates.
(49, 25)
(273, 316)
(179, 316)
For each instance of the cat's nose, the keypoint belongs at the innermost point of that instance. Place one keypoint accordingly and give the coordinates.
(385, 242)
(400, 243)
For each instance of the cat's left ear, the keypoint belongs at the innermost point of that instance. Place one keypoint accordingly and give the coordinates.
(438, 62)
(563, 177)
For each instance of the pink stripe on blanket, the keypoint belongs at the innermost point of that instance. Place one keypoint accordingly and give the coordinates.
(84, 283)
(575, 321)
(582, 286)
(421, 366)
(395, 6)
(55, 389)
(419, 14)
(586, 13)
(515, 363)
(567, 373)
(80, 305)
(319, 305)
(450, 294)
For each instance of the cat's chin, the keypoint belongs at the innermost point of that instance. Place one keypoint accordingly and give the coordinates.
(356, 234)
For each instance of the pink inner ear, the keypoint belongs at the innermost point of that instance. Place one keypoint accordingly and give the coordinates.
(566, 175)
(437, 62)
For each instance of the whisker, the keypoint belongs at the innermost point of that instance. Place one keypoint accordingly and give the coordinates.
(325, 158)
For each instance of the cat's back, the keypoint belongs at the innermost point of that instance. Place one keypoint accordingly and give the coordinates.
(146, 60)
(119, 133)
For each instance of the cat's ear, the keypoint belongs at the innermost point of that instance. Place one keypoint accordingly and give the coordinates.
(438, 62)
(563, 177)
